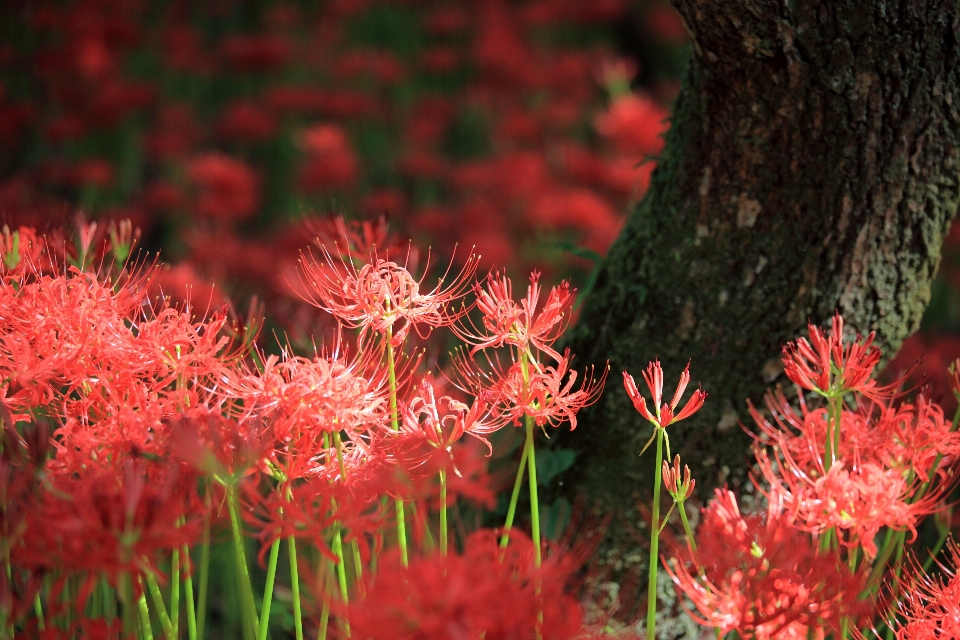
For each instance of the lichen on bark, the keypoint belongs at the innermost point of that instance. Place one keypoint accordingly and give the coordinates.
(811, 167)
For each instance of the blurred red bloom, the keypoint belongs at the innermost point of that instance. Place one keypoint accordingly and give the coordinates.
(485, 592)
(330, 161)
(261, 52)
(635, 124)
(227, 187)
(247, 122)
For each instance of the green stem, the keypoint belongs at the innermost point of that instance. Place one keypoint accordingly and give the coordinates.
(341, 576)
(514, 496)
(250, 622)
(204, 574)
(686, 526)
(38, 611)
(188, 592)
(534, 500)
(126, 595)
(157, 596)
(395, 425)
(936, 549)
(443, 512)
(295, 587)
(325, 610)
(654, 540)
(146, 630)
(175, 592)
(268, 590)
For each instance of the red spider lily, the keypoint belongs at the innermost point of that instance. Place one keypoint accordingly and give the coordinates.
(653, 375)
(319, 395)
(228, 188)
(680, 487)
(521, 325)
(930, 605)
(112, 523)
(383, 294)
(486, 592)
(826, 366)
(856, 501)
(758, 575)
(355, 240)
(545, 393)
(422, 419)
(886, 464)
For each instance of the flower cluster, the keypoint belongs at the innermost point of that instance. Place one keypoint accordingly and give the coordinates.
(133, 432)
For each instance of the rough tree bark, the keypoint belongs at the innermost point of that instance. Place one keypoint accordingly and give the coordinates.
(811, 166)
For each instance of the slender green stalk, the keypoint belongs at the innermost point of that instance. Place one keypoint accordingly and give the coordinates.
(355, 547)
(188, 593)
(325, 609)
(534, 499)
(268, 590)
(38, 611)
(161, 608)
(175, 592)
(250, 622)
(686, 526)
(126, 596)
(109, 599)
(204, 574)
(654, 539)
(443, 512)
(395, 425)
(341, 576)
(514, 496)
(295, 587)
(146, 630)
(936, 548)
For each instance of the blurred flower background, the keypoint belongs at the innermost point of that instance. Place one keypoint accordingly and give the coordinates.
(229, 131)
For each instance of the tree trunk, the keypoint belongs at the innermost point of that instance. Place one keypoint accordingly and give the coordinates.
(811, 166)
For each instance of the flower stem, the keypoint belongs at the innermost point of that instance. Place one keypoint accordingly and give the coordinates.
(341, 575)
(295, 587)
(268, 590)
(443, 511)
(204, 573)
(395, 425)
(654, 541)
(686, 526)
(534, 500)
(175, 592)
(250, 622)
(157, 596)
(512, 509)
(188, 593)
(325, 610)
(38, 611)
(146, 631)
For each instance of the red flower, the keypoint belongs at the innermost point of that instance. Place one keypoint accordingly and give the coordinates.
(228, 188)
(485, 592)
(521, 325)
(930, 605)
(653, 375)
(422, 418)
(680, 487)
(545, 394)
(758, 575)
(383, 294)
(634, 123)
(826, 366)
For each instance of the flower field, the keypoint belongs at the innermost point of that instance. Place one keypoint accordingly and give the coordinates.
(283, 295)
